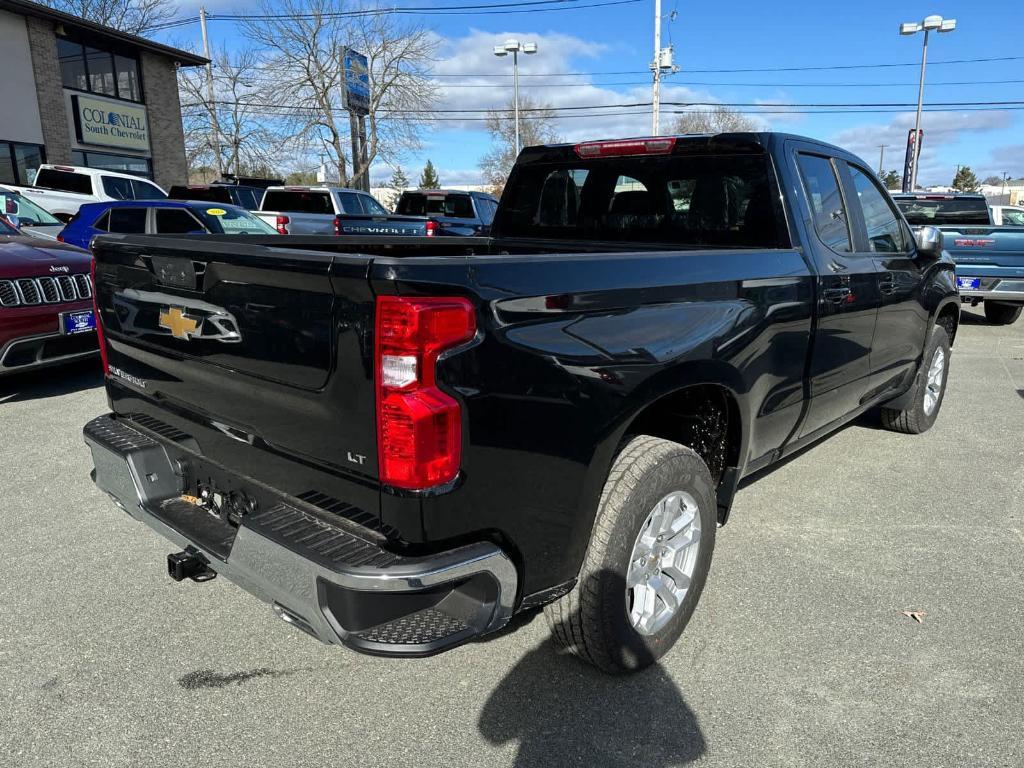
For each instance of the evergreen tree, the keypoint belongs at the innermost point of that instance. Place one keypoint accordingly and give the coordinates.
(398, 183)
(965, 180)
(892, 179)
(428, 179)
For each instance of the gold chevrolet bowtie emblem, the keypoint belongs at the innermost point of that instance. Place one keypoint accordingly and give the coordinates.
(177, 322)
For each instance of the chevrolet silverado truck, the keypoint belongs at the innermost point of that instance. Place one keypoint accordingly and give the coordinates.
(335, 211)
(399, 444)
(989, 258)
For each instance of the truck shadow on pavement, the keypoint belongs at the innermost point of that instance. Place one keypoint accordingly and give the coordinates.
(563, 712)
(50, 382)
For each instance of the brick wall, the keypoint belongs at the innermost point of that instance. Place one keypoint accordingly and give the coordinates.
(166, 137)
(46, 68)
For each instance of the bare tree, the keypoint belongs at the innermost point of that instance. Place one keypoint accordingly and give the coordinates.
(306, 40)
(135, 16)
(713, 120)
(234, 133)
(536, 126)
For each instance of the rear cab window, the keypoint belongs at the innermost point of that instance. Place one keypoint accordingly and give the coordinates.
(298, 201)
(64, 181)
(939, 210)
(702, 196)
(117, 188)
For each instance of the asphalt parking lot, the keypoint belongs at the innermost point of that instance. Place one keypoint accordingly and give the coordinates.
(799, 653)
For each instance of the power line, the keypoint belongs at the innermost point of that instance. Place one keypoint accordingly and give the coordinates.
(736, 71)
(731, 85)
(527, 6)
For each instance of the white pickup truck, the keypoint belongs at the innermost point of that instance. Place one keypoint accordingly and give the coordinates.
(61, 189)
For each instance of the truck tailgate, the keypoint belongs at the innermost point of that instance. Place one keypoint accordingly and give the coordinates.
(985, 246)
(266, 347)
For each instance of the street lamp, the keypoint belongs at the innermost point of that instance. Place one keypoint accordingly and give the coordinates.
(930, 24)
(515, 48)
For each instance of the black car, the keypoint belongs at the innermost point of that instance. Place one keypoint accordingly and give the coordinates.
(243, 196)
(466, 214)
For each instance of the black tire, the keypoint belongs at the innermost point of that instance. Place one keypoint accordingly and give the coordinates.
(593, 620)
(915, 419)
(998, 313)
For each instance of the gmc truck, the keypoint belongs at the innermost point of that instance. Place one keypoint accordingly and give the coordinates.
(399, 444)
(989, 258)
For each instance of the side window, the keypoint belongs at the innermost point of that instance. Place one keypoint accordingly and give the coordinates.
(176, 221)
(830, 219)
(143, 190)
(118, 188)
(131, 221)
(103, 222)
(886, 233)
(1013, 218)
(485, 207)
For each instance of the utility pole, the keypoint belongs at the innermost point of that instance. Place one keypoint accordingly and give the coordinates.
(656, 67)
(881, 157)
(214, 124)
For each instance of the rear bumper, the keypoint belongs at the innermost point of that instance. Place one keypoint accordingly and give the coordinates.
(994, 284)
(321, 574)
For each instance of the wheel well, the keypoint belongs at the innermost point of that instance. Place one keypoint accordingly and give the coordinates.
(703, 417)
(949, 318)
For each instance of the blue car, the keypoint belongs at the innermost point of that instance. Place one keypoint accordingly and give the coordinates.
(160, 217)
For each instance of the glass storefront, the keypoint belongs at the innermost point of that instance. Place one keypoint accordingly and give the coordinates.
(19, 162)
(139, 166)
(99, 71)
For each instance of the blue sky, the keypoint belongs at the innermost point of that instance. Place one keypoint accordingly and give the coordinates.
(731, 36)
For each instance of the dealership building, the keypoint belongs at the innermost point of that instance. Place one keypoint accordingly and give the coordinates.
(78, 93)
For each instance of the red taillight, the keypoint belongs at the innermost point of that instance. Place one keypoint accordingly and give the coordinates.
(337, 225)
(99, 322)
(431, 228)
(60, 237)
(658, 146)
(282, 224)
(419, 427)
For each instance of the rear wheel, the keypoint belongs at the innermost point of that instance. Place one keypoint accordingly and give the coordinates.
(928, 391)
(647, 562)
(998, 313)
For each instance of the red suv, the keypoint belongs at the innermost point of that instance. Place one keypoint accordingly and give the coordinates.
(46, 312)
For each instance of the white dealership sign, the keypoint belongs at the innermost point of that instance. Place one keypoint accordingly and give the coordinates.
(109, 123)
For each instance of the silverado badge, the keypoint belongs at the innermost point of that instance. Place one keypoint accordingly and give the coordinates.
(178, 323)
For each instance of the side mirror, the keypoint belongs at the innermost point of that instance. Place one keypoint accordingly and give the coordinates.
(929, 242)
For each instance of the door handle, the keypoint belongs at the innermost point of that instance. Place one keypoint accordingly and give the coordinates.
(836, 295)
(887, 284)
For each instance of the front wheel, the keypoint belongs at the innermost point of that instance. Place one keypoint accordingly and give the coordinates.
(928, 390)
(999, 313)
(648, 559)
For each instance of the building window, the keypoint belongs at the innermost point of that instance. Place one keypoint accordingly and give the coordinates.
(138, 166)
(19, 162)
(96, 70)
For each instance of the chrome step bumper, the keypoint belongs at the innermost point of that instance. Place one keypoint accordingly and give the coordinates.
(326, 577)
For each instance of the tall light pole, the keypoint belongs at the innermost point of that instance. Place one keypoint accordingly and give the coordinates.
(515, 48)
(881, 157)
(929, 24)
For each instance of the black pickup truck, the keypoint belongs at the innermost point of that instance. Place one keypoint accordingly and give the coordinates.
(401, 443)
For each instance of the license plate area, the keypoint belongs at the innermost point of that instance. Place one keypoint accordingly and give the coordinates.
(82, 321)
(969, 283)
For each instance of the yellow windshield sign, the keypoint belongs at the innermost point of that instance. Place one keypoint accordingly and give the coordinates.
(216, 211)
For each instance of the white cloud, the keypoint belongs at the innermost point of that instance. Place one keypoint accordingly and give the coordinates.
(940, 130)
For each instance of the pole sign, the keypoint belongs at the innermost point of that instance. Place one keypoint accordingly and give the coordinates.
(356, 90)
(110, 123)
(911, 159)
